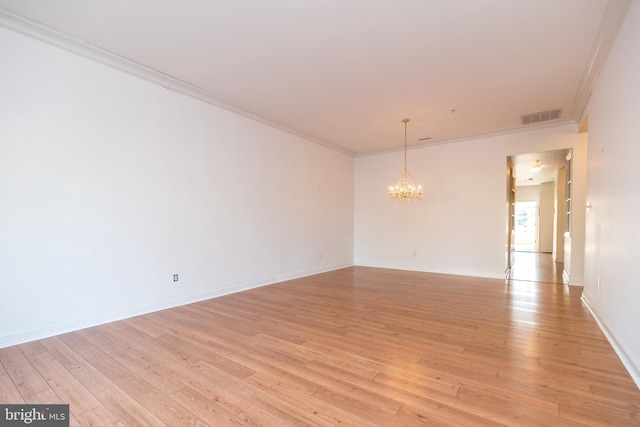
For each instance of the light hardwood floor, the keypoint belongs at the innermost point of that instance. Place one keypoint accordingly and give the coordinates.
(357, 347)
(536, 267)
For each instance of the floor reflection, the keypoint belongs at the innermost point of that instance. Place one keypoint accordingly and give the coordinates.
(536, 267)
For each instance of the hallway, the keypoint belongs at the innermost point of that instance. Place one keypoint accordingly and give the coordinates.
(536, 267)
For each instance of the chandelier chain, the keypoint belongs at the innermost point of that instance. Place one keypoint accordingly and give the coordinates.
(405, 142)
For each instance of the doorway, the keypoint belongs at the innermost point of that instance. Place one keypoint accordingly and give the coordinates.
(535, 221)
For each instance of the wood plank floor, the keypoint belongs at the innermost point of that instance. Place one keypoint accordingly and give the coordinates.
(536, 267)
(355, 347)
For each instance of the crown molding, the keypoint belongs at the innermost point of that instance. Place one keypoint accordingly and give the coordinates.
(612, 20)
(609, 27)
(51, 36)
(470, 137)
(43, 33)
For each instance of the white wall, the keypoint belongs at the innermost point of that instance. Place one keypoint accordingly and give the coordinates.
(545, 223)
(559, 217)
(459, 226)
(612, 226)
(109, 185)
(528, 193)
(573, 266)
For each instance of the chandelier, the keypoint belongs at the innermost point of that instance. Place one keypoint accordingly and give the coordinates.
(405, 190)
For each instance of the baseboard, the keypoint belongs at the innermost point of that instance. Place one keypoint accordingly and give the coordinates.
(626, 357)
(452, 272)
(75, 325)
(473, 273)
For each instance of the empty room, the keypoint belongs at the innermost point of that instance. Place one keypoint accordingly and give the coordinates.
(323, 213)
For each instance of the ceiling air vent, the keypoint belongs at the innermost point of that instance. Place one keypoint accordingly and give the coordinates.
(542, 116)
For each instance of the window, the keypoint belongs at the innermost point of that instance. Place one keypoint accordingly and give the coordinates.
(526, 229)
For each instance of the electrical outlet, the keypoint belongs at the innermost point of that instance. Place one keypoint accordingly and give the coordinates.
(175, 277)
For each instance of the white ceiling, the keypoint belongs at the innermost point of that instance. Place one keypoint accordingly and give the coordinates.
(550, 161)
(345, 72)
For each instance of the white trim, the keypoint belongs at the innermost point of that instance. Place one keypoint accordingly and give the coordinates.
(626, 356)
(611, 22)
(614, 15)
(470, 137)
(451, 272)
(74, 45)
(75, 325)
